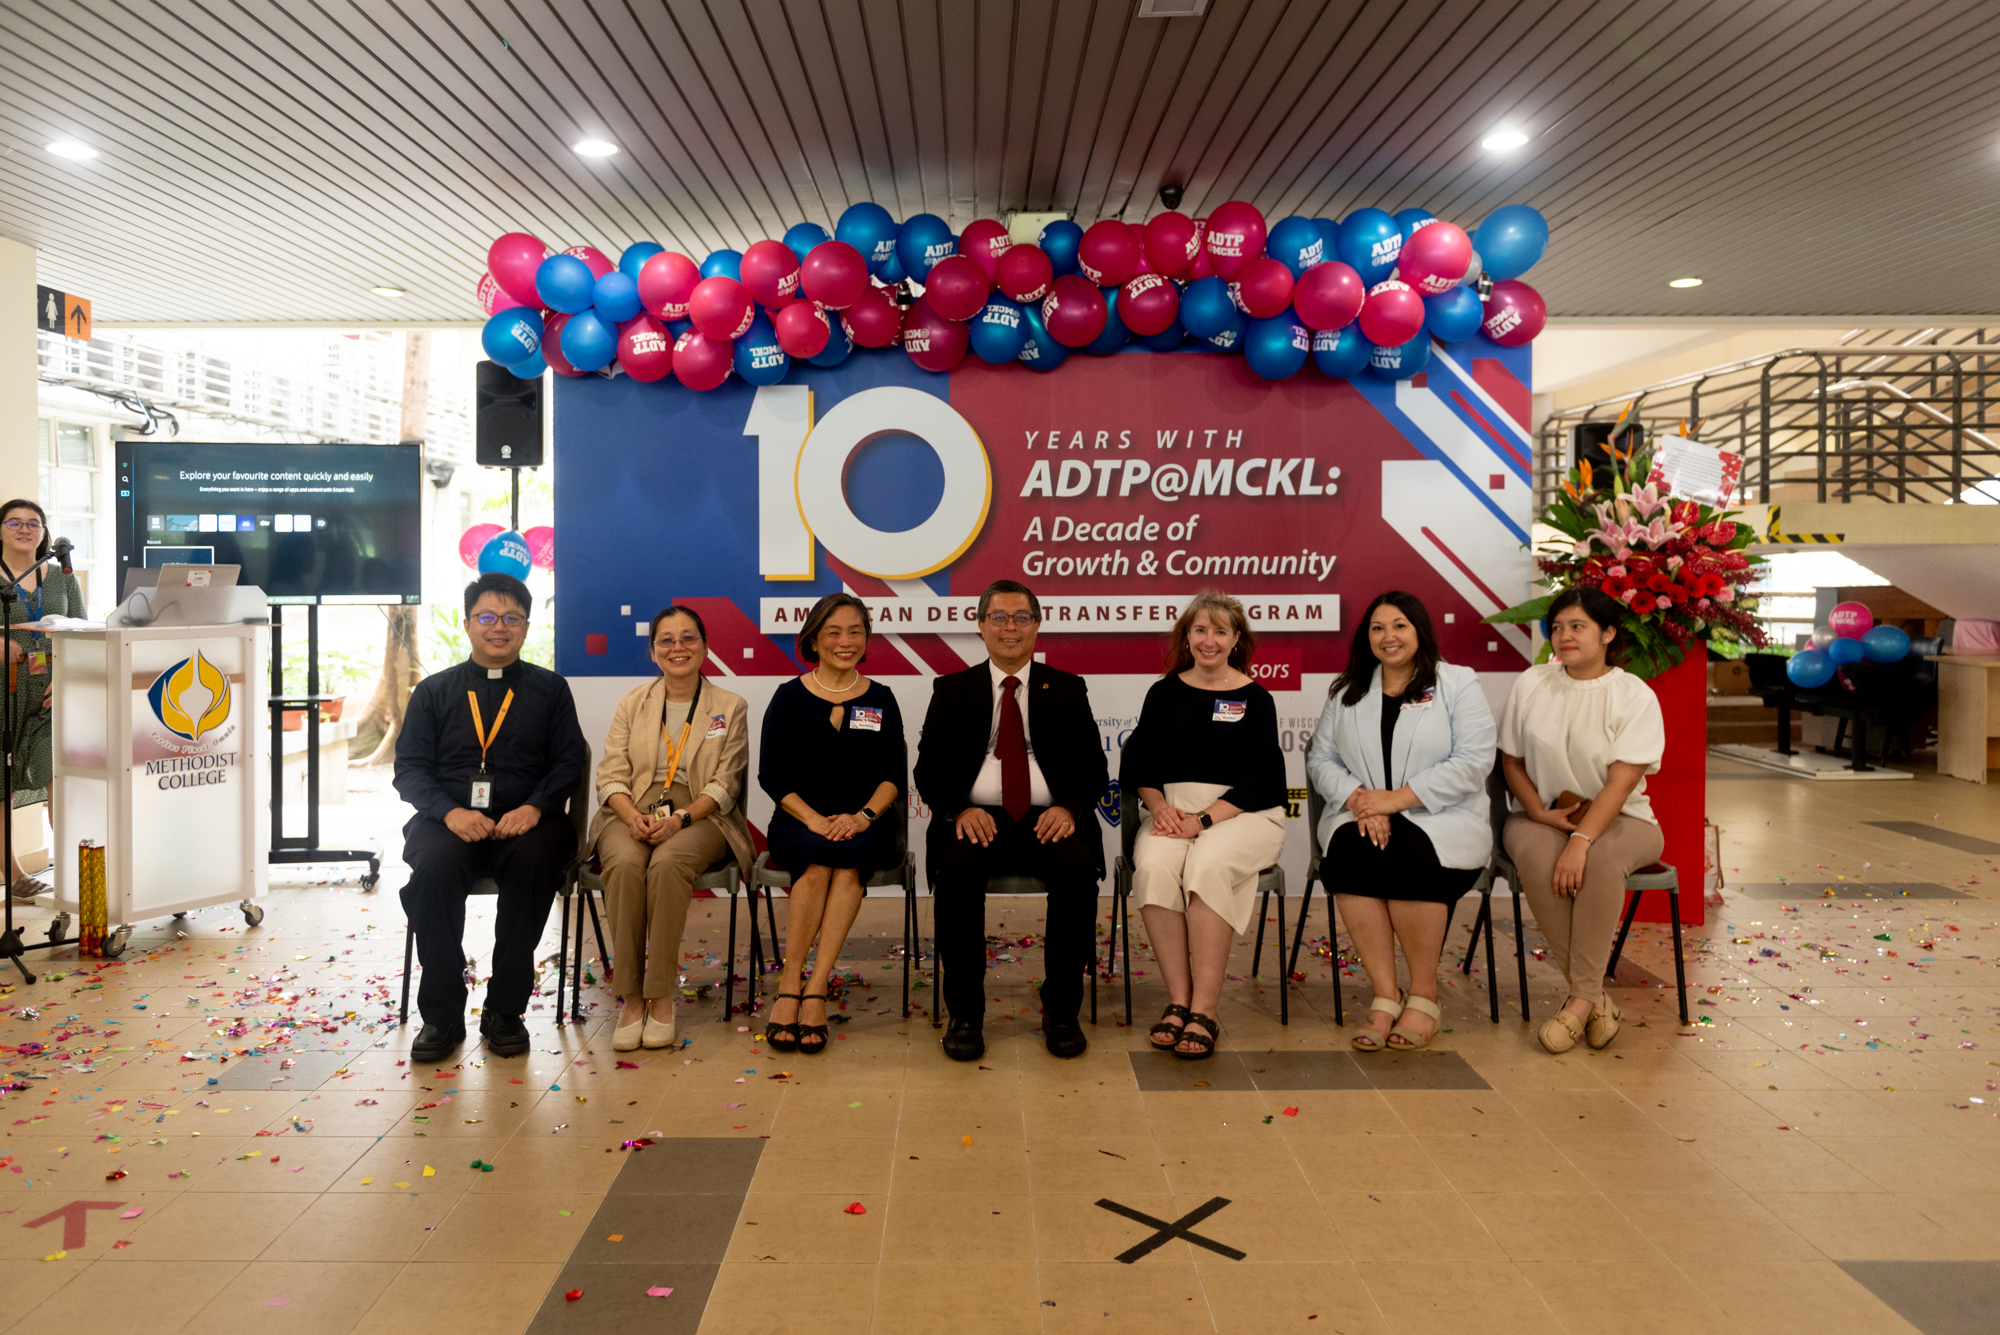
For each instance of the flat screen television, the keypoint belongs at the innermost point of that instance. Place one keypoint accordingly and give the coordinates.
(307, 523)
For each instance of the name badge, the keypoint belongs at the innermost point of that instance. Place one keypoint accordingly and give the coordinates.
(38, 661)
(1423, 701)
(482, 791)
(865, 718)
(718, 726)
(1231, 711)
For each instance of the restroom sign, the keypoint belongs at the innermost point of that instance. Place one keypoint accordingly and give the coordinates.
(62, 313)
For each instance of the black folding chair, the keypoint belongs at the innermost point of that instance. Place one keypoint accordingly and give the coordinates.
(1500, 867)
(1315, 808)
(1659, 876)
(721, 875)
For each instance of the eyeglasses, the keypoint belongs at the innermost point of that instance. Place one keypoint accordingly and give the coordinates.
(23, 525)
(512, 621)
(689, 641)
(1000, 620)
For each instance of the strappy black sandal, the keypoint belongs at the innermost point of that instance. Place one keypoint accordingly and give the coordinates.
(1207, 1040)
(818, 1031)
(1173, 1031)
(783, 1037)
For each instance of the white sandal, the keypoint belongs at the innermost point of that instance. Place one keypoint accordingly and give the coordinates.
(1412, 1041)
(1367, 1040)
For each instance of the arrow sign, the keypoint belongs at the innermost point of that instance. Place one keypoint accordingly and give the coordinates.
(74, 1216)
(76, 323)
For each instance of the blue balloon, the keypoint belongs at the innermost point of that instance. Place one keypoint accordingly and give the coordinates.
(1230, 337)
(1341, 352)
(837, 347)
(892, 270)
(1059, 241)
(565, 283)
(514, 335)
(589, 341)
(532, 369)
(999, 331)
(1329, 238)
(617, 297)
(1040, 352)
(1369, 243)
(505, 554)
(924, 240)
(1206, 309)
(1167, 339)
(1510, 240)
(1454, 315)
(635, 257)
(1809, 668)
(1400, 363)
(1844, 651)
(1277, 347)
(802, 237)
(869, 229)
(759, 358)
(723, 264)
(1409, 220)
(1115, 335)
(1296, 243)
(1885, 644)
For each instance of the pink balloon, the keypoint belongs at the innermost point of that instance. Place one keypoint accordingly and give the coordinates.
(874, 321)
(1203, 267)
(1434, 259)
(834, 275)
(541, 546)
(1108, 253)
(1328, 295)
(957, 287)
(645, 349)
(721, 308)
(985, 241)
(1148, 304)
(512, 260)
(1024, 273)
(802, 329)
(1392, 314)
(771, 272)
(1235, 236)
(1263, 287)
(1515, 313)
(1172, 242)
(666, 281)
(494, 298)
(552, 352)
(934, 342)
(600, 264)
(1074, 311)
(702, 362)
(473, 541)
(1848, 621)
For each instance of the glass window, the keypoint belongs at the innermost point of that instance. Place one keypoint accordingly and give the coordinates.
(76, 445)
(69, 477)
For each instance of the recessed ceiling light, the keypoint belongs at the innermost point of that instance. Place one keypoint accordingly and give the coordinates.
(1503, 141)
(387, 291)
(1684, 282)
(73, 150)
(595, 148)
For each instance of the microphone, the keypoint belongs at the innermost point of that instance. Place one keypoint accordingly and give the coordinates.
(60, 550)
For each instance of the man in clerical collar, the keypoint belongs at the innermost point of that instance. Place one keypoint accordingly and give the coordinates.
(488, 754)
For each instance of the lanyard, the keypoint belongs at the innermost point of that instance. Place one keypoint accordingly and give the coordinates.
(478, 728)
(674, 749)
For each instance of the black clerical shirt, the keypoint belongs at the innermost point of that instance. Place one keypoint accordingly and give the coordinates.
(535, 759)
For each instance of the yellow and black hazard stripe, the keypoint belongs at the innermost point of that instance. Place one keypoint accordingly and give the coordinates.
(1771, 533)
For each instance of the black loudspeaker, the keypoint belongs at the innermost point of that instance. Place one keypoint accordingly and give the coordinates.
(507, 419)
(1591, 440)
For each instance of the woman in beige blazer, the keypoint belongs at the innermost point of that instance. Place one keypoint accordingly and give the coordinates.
(672, 785)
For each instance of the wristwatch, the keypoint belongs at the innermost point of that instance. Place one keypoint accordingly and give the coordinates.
(1207, 821)
(869, 812)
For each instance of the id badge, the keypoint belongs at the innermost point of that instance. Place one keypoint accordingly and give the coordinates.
(663, 807)
(38, 661)
(482, 791)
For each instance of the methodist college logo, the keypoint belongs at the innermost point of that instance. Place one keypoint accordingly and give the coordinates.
(183, 711)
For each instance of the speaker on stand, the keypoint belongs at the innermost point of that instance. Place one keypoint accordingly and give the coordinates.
(507, 426)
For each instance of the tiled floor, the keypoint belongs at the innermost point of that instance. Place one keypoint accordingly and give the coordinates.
(1819, 1152)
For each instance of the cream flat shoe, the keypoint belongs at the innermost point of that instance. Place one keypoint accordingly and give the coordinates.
(1603, 1025)
(658, 1035)
(1561, 1031)
(625, 1038)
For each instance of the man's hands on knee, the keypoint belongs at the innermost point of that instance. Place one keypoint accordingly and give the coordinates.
(518, 821)
(976, 824)
(469, 825)
(1055, 823)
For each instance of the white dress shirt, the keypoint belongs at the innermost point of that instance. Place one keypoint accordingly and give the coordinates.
(986, 788)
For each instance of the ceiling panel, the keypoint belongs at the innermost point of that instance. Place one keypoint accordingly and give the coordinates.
(270, 160)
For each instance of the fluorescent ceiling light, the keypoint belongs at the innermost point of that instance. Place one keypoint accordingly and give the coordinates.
(1685, 282)
(595, 148)
(387, 291)
(1503, 141)
(73, 150)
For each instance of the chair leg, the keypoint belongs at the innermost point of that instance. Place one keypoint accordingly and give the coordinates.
(576, 971)
(1492, 975)
(1618, 946)
(409, 949)
(753, 975)
(909, 921)
(1284, 979)
(729, 962)
(771, 917)
(1122, 908)
(1680, 969)
(562, 953)
(1520, 949)
(1257, 950)
(603, 955)
(1299, 932)
(1333, 955)
(1471, 942)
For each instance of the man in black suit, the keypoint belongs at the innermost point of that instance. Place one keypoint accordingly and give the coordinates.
(1012, 767)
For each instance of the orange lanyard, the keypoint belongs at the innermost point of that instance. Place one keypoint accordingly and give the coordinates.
(479, 729)
(674, 749)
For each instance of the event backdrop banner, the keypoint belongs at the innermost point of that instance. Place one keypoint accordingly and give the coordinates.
(1115, 489)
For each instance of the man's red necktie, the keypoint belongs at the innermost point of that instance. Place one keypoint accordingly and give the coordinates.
(1012, 748)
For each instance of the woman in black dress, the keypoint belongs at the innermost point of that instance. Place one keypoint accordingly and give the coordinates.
(832, 758)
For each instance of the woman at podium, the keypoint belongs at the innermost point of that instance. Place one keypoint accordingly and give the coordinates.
(33, 592)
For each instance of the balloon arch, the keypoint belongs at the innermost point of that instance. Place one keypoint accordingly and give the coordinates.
(1367, 293)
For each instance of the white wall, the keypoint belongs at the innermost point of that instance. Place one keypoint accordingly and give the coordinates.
(17, 368)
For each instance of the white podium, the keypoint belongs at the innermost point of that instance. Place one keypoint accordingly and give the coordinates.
(160, 746)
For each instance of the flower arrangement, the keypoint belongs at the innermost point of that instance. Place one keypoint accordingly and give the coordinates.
(1677, 566)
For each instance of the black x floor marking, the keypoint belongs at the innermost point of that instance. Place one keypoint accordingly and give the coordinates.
(1180, 1228)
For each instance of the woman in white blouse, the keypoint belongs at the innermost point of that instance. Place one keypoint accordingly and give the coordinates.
(1579, 739)
(1401, 756)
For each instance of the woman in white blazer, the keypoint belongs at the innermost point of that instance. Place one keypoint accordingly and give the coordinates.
(1401, 755)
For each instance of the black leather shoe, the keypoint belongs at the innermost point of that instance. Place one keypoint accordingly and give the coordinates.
(506, 1035)
(435, 1043)
(1064, 1038)
(964, 1041)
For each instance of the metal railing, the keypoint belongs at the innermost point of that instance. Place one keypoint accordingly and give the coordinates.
(1885, 415)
